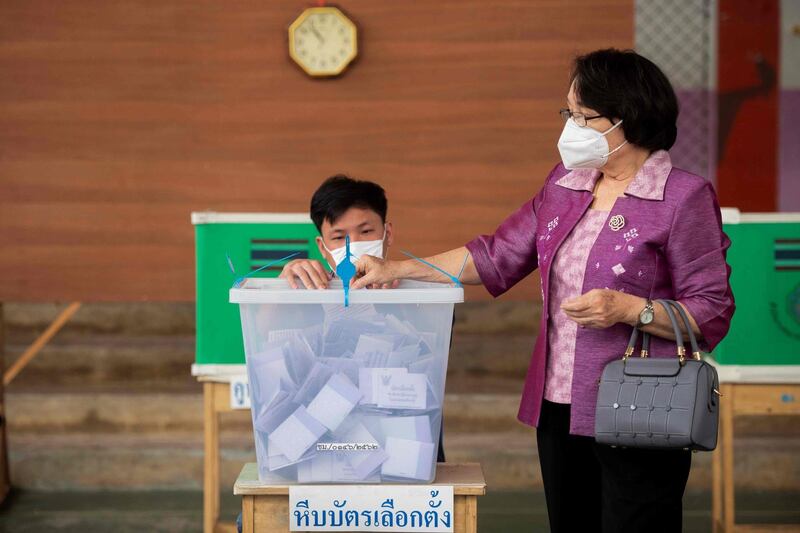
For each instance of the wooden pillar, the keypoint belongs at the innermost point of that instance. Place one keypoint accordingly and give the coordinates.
(5, 482)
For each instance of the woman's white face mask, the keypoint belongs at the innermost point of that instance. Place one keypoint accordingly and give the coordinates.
(585, 147)
(357, 249)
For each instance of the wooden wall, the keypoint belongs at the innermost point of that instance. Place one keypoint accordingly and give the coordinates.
(120, 117)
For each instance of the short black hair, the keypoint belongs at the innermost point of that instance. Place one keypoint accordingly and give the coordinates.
(339, 193)
(621, 84)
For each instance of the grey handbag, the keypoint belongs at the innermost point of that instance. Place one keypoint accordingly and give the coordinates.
(663, 403)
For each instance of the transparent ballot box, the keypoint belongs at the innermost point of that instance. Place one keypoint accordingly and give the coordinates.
(346, 394)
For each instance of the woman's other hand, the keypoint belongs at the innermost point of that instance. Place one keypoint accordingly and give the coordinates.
(602, 308)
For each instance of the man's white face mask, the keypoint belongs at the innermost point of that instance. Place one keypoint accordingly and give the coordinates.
(357, 249)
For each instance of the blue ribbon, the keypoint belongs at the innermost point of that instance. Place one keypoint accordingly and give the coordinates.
(452, 277)
(242, 278)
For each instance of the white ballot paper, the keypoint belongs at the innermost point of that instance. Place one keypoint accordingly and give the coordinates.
(276, 460)
(373, 350)
(366, 462)
(404, 356)
(268, 366)
(408, 458)
(297, 434)
(407, 427)
(395, 388)
(334, 402)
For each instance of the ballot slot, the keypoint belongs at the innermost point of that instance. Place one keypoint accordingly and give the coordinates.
(346, 393)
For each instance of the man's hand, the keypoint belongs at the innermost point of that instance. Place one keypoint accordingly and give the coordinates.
(602, 308)
(309, 271)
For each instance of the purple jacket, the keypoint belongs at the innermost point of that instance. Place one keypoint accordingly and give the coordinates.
(671, 246)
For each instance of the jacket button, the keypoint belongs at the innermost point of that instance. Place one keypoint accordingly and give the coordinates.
(633, 407)
(616, 405)
(668, 408)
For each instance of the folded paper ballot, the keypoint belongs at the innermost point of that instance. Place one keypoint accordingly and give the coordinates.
(266, 368)
(345, 365)
(367, 462)
(373, 350)
(277, 335)
(407, 427)
(394, 388)
(334, 402)
(404, 355)
(316, 379)
(266, 418)
(277, 461)
(397, 325)
(299, 356)
(408, 459)
(331, 467)
(297, 434)
(342, 335)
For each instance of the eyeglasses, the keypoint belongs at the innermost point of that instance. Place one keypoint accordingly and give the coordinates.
(579, 118)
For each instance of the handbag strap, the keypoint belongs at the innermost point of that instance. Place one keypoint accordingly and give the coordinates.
(676, 329)
(689, 330)
(645, 344)
(631, 343)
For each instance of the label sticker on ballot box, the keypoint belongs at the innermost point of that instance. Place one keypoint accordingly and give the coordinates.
(240, 392)
(418, 508)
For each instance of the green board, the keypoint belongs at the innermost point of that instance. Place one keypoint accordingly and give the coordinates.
(251, 241)
(765, 277)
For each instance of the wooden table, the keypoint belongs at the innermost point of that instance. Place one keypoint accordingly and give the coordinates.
(755, 391)
(265, 508)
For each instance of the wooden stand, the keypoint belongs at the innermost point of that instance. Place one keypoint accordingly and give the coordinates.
(759, 391)
(216, 400)
(265, 508)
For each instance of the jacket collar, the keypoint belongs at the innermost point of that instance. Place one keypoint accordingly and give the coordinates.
(648, 183)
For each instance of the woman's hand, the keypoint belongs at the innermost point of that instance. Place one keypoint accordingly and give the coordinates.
(602, 308)
(373, 272)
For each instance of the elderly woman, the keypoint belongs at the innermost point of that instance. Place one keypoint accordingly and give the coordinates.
(614, 227)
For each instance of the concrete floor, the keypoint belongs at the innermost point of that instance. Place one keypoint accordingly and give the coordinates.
(175, 512)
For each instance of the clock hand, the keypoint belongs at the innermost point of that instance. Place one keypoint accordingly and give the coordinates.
(317, 33)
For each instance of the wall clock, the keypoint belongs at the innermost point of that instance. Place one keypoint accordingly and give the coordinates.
(323, 41)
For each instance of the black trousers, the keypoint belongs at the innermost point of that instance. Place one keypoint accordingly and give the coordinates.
(596, 488)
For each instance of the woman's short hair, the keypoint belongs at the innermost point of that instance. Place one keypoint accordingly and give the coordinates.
(621, 84)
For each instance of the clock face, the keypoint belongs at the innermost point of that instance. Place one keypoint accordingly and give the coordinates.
(322, 41)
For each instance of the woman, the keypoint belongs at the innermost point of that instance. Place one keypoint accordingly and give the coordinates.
(614, 227)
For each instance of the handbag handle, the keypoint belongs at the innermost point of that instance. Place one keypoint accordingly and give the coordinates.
(679, 342)
(689, 330)
(681, 350)
(645, 345)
